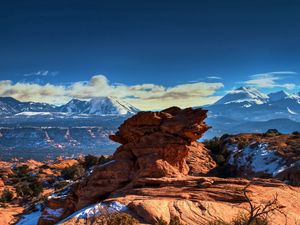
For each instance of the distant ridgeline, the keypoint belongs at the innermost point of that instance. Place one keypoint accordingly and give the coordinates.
(40, 130)
(97, 106)
(248, 110)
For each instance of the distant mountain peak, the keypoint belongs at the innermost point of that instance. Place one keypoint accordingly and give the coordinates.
(244, 94)
(9, 100)
(244, 88)
(106, 105)
(103, 105)
(276, 96)
(110, 105)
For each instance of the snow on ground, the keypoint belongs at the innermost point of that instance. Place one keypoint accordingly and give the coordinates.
(258, 159)
(64, 192)
(97, 210)
(52, 213)
(31, 218)
(291, 111)
(55, 212)
(34, 114)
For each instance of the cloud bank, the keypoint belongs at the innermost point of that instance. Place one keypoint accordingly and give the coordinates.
(143, 96)
(42, 73)
(271, 80)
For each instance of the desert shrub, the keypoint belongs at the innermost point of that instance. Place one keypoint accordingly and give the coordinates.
(6, 196)
(218, 222)
(256, 214)
(242, 144)
(214, 145)
(121, 219)
(73, 172)
(161, 221)
(175, 221)
(219, 152)
(271, 133)
(91, 160)
(296, 133)
(241, 219)
(60, 185)
(224, 136)
(23, 190)
(117, 218)
(220, 160)
(21, 171)
(28, 190)
(102, 159)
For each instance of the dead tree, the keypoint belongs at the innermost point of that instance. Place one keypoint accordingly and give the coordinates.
(262, 210)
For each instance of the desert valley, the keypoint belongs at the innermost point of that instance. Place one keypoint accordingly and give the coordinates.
(161, 174)
(158, 112)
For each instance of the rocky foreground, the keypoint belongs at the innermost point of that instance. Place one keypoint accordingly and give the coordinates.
(161, 172)
(150, 176)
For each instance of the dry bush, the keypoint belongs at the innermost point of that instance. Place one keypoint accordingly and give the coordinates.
(256, 214)
(117, 218)
(73, 172)
(6, 196)
(173, 221)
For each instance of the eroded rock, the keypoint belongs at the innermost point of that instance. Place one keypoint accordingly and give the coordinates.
(154, 145)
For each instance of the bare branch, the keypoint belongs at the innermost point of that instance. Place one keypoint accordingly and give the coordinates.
(262, 210)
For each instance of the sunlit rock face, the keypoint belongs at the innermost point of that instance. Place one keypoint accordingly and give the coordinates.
(153, 145)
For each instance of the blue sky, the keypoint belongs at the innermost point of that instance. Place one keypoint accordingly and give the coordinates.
(214, 44)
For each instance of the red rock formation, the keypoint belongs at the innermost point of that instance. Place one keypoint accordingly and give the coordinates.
(199, 160)
(154, 145)
(198, 200)
(155, 173)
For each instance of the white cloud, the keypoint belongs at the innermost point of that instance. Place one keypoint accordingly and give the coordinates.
(41, 73)
(214, 77)
(33, 92)
(271, 80)
(143, 96)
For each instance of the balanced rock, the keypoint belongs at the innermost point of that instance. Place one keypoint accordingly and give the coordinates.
(154, 145)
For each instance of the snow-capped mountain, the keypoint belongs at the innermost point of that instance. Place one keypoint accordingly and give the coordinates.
(9, 105)
(249, 104)
(244, 94)
(104, 106)
(41, 130)
(248, 110)
(74, 106)
(276, 96)
(110, 106)
(6, 109)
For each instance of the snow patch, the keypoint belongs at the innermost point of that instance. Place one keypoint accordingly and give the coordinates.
(55, 212)
(258, 159)
(244, 94)
(291, 111)
(34, 114)
(96, 210)
(32, 218)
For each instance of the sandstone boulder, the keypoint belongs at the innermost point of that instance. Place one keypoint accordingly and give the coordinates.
(154, 145)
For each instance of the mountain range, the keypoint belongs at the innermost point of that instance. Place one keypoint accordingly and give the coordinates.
(28, 128)
(41, 130)
(248, 110)
(104, 106)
